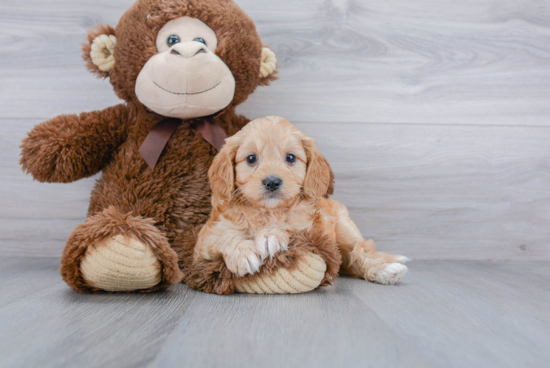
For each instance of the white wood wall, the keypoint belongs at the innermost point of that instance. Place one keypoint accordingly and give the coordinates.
(435, 115)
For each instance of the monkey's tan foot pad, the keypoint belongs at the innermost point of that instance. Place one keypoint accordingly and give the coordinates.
(307, 276)
(120, 263)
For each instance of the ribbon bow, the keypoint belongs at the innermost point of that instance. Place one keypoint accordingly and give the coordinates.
(155, 142)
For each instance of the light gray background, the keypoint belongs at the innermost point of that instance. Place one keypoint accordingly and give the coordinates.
(435, 116)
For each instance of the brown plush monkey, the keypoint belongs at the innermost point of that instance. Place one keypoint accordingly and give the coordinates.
(190, 60)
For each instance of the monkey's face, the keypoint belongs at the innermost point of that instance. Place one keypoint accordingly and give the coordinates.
(186, 79)
(182, 59)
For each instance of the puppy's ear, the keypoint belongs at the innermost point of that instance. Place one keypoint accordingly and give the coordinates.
(222, 173)
(319, 180)
(330, 190)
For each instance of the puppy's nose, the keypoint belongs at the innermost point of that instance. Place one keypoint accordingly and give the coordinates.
(272, 183)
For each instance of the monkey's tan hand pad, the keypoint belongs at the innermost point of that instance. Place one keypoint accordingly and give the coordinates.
(120, 264)
(306, 277)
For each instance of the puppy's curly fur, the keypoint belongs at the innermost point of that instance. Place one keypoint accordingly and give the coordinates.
(270, 190)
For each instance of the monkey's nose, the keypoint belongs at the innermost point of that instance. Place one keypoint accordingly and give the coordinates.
(272, 183)
(188, 49)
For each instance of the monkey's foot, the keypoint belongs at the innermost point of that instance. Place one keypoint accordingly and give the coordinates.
(309, 273)
(120, 263)
(113, 252)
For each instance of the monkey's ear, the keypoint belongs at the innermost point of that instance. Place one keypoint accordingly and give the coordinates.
(268, 67)
(99, 50)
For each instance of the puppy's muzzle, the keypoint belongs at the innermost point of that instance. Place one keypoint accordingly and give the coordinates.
(272, 183)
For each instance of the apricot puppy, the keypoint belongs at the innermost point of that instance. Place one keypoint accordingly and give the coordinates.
(268, 182)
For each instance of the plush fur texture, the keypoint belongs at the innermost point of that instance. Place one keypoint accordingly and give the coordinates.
(162, 206)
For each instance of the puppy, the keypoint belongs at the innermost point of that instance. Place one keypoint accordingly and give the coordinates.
(270, 181)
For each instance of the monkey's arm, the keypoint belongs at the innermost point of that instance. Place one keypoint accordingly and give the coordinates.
(71, 147)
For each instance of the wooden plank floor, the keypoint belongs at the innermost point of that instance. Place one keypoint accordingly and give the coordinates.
(443, 314)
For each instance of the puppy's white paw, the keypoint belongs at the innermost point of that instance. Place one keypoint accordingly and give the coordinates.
(243, 260)
(403, 259)
(269, 245)
(391, 273)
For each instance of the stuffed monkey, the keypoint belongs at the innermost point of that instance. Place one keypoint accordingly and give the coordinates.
(181, 67)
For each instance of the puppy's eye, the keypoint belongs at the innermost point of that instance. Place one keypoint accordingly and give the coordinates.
(290, 159)
(201, 40)
(251, 159)
(172, 40)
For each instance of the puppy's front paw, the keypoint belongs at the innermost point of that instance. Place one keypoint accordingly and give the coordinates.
(390, 273)
(270, 244)
(243, 260)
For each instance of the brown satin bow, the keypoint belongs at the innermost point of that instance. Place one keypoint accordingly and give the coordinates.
(156, 140)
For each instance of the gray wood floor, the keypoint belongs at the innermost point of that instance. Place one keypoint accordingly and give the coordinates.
(444, 314)
(435, 116)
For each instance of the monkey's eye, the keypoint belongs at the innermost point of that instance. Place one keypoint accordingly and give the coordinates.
(251, 159)
(172, 40)
(201, 40)
(290, 159)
